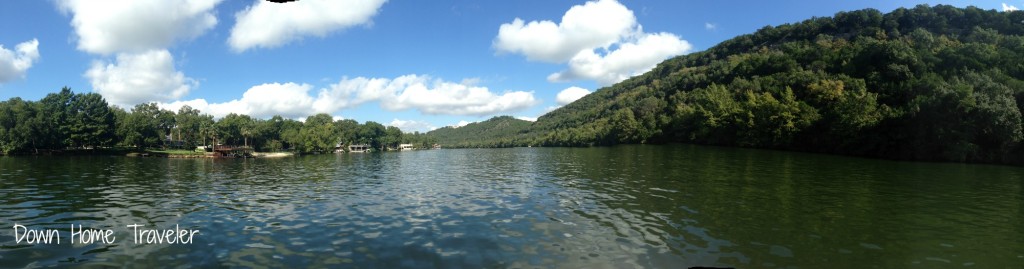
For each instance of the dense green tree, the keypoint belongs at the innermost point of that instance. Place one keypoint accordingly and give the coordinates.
(92, 122)
(392, 137)
(319, 133)
(143, 127)
(710, 115)
(348, 131)
(235, 129)
(371, 133)
(20, 125)
(55, 113)
(188, 126)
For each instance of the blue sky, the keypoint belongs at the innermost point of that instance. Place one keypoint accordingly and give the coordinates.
(413, 64)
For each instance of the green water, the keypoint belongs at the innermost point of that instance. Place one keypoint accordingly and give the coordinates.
(620, 207)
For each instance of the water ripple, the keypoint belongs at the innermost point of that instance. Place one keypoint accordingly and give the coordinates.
(622, 207)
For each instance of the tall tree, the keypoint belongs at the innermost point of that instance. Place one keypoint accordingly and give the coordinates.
(319, 133)
(371, 133)
(144, 126)
(235, 129)
(19, 125)
(187, 126)
(91, 123)
(56, 115)
(392, 137)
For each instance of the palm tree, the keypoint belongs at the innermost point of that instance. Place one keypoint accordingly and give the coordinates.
(246, 132)
(208, 130)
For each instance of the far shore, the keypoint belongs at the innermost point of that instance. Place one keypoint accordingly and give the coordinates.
(185, 154)
(178, 153)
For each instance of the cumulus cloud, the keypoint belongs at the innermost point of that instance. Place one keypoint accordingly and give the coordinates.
(570, 94)
(268, 25)
(138, 78)
(422, 93)
(14, 64)
(600, 40)
(1009, 7)
(430, 96)
(409, 126)
(710, 26)
(631, 59)
(106, 27)
(289, 100)
(583, 27)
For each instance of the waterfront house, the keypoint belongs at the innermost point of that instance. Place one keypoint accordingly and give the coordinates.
(359, 148)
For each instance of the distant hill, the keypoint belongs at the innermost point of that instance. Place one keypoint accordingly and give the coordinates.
(503, 131)
(926, 83)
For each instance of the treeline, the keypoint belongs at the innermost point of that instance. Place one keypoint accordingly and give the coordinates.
(84, 121)
(927, 83)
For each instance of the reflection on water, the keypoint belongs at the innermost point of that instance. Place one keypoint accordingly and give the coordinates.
(619, 207)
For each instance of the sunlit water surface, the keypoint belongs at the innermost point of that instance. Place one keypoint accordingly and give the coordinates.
(620, 207)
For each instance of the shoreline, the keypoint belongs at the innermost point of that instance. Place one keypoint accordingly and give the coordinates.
(172, 154)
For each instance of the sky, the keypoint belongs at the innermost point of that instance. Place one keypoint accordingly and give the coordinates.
(417, 65)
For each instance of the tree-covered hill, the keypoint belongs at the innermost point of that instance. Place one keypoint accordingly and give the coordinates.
(926, 83)
(503, 131)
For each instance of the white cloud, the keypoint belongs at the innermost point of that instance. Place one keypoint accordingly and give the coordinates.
(289, 100)
(570, 94)
(268, 25)
(409, 126)
(429, 96)
(14, 64)
(200, 104)
(462, 123)
(710, 26)
(583, 27)
(527, 118)
(1009, 7)
(138, 78)
(601, 40)
(139, 31)
(454, 99)
(631, 59)
(106, 27)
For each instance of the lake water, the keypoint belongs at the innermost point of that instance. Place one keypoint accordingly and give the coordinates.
(619, 207)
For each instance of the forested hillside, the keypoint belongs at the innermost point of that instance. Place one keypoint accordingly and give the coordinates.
(927, 83)
(503, 131)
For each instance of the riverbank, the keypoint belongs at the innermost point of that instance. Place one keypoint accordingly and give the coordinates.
(131, 152)
(187, 154)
